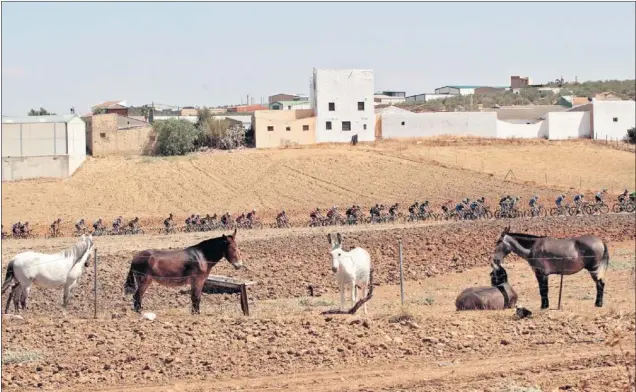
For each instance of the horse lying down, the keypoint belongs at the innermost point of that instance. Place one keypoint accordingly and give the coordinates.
(497, 297)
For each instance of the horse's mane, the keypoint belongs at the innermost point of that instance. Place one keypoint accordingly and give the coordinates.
(206, 247)
(207, 243)
(78, 249)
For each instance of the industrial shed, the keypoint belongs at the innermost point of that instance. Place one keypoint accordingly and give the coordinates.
(42, 146)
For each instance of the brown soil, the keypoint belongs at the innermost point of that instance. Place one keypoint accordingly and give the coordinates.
(298, 180)
(286, 345)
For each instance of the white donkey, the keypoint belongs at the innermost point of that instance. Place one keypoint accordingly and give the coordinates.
(351, 268)
(47, 270)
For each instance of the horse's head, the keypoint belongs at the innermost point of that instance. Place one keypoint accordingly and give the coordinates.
(502, 247)
(84, 249)
(232, 252)
(498, 275)
(336, 250)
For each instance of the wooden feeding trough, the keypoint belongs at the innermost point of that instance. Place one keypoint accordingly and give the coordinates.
(216, 284)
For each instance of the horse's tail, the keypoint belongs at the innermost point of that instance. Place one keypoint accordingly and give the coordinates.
(130, 286)
(602, 268)
(8, 277)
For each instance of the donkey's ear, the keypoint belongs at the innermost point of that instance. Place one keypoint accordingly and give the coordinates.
(507, 229)
(339, 238)
(234, 234)
(329, 238)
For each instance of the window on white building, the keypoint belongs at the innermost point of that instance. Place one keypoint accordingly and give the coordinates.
(615, 119)
(332, 106)
(328, 125)
(403, 123)
(270, 128)
(288, 107)
(364, 126)
(360, 105)
(346, 125)
(305, 127)
(288, 129)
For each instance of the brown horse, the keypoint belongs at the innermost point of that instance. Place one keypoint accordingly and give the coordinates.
(548, 256)
(497, 297)
(175, 268)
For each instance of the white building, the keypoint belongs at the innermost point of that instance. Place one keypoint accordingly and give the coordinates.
(42, 146)
(457, 90)
(290, 105)
(426, 97)
(342, 100)
(610, 120)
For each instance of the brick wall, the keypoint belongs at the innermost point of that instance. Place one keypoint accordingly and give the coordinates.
(106, 138)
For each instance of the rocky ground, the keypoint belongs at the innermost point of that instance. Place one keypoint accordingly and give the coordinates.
(287, 345)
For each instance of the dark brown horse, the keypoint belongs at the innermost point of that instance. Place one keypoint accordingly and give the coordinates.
(175, 268)
(548, 256)
(497, 297)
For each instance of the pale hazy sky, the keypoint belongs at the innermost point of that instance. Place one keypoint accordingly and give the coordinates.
(58, 55)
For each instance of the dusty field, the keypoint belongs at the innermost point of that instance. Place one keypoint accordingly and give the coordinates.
(558, 164)
(286, 345)
(301, 179)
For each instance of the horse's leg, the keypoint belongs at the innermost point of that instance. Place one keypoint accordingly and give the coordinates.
(363, 295)
(22, 298)
(195, 293)
(67, 292)
(600, 287)
(11, 293)
(543, 288)
(354, 292)
(342, 292)
(143, 282)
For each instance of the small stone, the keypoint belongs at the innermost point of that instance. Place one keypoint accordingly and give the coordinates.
(505, 342)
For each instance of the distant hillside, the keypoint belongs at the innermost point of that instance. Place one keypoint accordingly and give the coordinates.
(625, 89)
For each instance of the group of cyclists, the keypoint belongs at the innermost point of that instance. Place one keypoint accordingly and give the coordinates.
(195, 222)
(378, 213)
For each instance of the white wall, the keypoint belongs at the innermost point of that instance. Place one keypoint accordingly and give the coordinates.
(437, 124)
(280, 106)
(604, 113)
(76, 130)
(507, 130)
(345, 88)
(569, 125)
(23, 168)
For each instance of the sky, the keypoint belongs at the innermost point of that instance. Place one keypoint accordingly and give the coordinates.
(63, 55)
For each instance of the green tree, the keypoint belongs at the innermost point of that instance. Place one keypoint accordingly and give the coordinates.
(175, 137)
(99, 111)
(41, 112)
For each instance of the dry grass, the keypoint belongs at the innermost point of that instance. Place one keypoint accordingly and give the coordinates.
(304, 178)
(580, 164)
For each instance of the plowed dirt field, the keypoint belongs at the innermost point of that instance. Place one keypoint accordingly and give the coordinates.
(299, 180)
(286, 345)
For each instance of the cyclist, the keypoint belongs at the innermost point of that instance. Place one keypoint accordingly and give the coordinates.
(533, 201)
(375, 211)
(55, 227)
(16, 229)
(424, 208)
(599, 196)
(560, 199)
(226, 218)
(132, 225)
(578, 199)
(251, 216)
(169, 222)
(117, 223)
(98, 225)
(623, 196)
(26, 230)
(80, 225)
(281, 218)
(393, 211)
